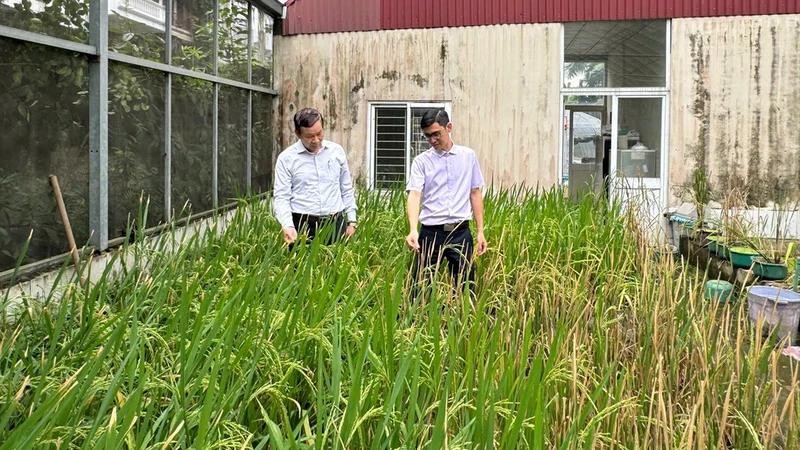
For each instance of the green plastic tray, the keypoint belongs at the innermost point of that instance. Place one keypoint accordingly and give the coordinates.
(769, 271)
(742, 256)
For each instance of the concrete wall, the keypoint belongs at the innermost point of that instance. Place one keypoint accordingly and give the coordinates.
(503, 82)
(736, 103)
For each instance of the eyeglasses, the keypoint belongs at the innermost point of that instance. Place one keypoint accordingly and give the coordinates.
(436, 135)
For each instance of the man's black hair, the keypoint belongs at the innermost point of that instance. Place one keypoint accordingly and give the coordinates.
(306, 118)
(432, 116)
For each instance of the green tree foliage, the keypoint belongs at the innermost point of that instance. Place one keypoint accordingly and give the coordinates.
(585, 75)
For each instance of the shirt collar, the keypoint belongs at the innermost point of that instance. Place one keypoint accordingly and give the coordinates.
(300, 148)
(454, 150)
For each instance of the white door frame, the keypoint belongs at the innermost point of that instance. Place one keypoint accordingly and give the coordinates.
(615, 94)
(648, 196)
(647, 183)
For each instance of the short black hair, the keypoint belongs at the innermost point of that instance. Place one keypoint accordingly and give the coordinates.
(432, 116)
(306, 117)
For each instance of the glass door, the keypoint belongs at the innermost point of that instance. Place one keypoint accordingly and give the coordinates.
(638, 160)
(638, 139)
(584, 164)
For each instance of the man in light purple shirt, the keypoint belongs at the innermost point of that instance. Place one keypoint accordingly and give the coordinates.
(313, 187)
(444, 193)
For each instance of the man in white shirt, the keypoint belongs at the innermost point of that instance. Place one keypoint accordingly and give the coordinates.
(444, 194)
(313, 187)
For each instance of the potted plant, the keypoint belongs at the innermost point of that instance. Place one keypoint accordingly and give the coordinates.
(698, 192)
(743, 256)
(734, 230)
(774, 253)
(713, 243)
(770, 263)
(770, 270)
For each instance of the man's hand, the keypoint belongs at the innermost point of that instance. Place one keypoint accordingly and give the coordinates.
(349, 231)
(412, 240)
(289, 235)
(482, 244)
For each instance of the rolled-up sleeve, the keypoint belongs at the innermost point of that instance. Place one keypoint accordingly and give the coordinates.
(348, 192)
(416, 178)
(282, 193)
(477, 176)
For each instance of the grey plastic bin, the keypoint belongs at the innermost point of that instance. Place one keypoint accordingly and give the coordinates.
(779, 309)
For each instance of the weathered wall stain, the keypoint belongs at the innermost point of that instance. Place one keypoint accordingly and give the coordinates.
(333, 113)
(356, 96)
(358, 86)
(753, 181)
(752, 185)
(506, 112)
(419, 79)
(284, 108)
(793, 67)
(701, 105)
(755, 44)
(776, 155)
(734, 104)
(392, 75)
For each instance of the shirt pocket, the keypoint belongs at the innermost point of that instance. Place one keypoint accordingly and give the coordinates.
(331, 171)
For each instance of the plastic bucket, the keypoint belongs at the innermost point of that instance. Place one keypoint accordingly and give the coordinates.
(797, 274)
(712, 243)
(723, 250)
(719, 290)
(778, 308)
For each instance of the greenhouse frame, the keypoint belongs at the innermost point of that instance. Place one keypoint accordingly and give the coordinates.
(141, 130)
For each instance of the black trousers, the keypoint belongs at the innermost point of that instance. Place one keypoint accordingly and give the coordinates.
(330, 228)
(440, 244)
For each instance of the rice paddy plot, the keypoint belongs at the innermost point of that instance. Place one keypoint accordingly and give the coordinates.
(577, 338)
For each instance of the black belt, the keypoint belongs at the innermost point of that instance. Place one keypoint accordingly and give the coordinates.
(317, 218)
(449, 227)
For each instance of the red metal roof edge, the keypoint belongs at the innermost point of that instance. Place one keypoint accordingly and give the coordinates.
(331, 16)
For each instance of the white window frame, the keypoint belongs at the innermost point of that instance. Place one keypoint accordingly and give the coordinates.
(371, 152)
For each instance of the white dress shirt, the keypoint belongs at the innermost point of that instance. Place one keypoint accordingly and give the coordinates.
(445, 179)
(317, 184)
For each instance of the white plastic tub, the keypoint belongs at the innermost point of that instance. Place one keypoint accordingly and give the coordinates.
(778, 308)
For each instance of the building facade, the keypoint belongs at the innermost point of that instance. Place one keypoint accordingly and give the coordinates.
(548, 93)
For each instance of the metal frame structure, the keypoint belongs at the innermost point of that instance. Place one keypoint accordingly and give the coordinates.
(100, 56)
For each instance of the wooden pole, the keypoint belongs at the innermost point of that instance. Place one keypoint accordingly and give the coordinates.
(62, 210)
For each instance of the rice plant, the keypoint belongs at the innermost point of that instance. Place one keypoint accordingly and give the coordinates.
(579, 337)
